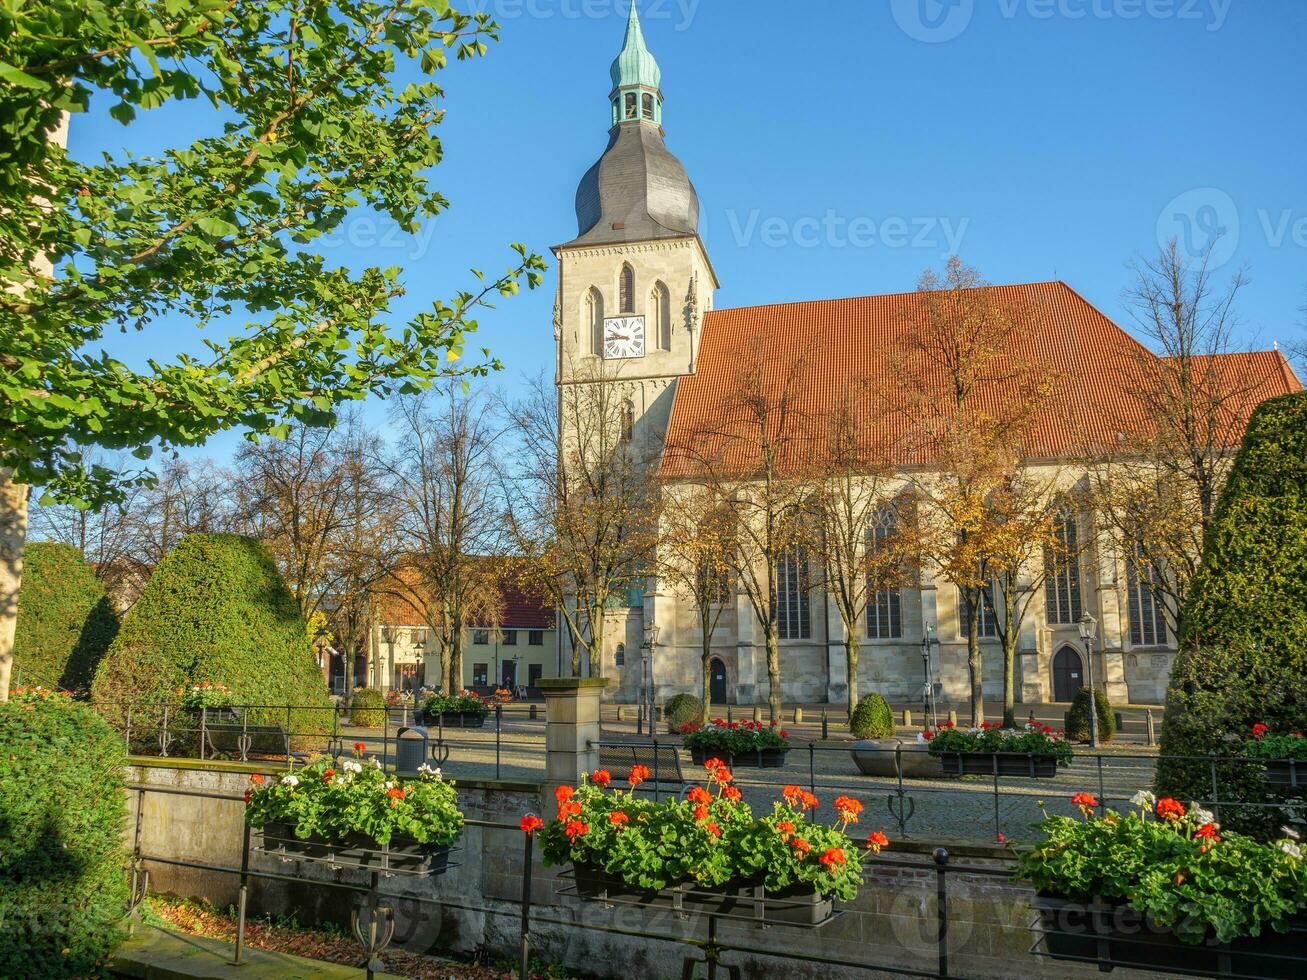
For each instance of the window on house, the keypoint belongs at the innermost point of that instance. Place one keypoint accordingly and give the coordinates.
(626, 291)
(884, 608)
(1062, 598)
(660, 306)
(535, 638)
(988, 618)
(794, 618)
(628, 421)
(510, 638)
(480, 675)
(533, 674)
(632, 106)
(619, 658)
(594, 317)
(480, 638)
(648, 106)
(1145, 609)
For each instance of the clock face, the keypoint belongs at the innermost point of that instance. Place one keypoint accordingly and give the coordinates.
(624, 337)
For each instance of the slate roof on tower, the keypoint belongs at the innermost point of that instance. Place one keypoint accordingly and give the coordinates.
(846, 342)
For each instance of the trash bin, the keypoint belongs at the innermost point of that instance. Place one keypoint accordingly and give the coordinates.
(411, 746)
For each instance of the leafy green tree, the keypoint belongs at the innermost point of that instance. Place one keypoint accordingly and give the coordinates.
(1243, 629)
(65, 621)
(312, 118)
(216, 609)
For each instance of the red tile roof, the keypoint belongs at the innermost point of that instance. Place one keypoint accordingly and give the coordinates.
(521, 610)
(847, 342)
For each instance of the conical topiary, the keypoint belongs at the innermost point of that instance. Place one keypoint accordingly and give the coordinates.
(65, 622)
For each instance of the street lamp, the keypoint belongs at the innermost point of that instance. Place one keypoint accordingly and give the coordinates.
(646, 667)
(927, 640)
(1088, 627)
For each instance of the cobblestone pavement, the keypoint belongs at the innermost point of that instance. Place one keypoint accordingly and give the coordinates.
(972, 809)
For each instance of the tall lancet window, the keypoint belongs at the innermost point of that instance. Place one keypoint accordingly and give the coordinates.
(648, 104)
(628, 421)
(594, 318)
(627, 290)
(660, 317)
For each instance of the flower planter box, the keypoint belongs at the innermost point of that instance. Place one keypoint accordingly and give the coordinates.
(1287, 772)
(1116, 935)
(403, 855)
(772, 758)
(459, 719)
(982, 764)
(799, 905)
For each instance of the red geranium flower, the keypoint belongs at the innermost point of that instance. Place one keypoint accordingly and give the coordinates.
(1169, 809)
(531, 823)
(700, 812)
(877, 840)
(1086, 801)
(360, 748)
(638, 775)
(563, 793)
(714, 763)
(395, 794)
(569, 809)
(326, 776)
(601, 777)
(618, 819)
(808, 801)
(1260, 730)
(801, 846)
(847, 808)
(575, 829)
(256, 779)
(699, 795)
(1208, 832)
(784, 827)
(733, 794)
(792, 794)
(832, 857)
(712, 828)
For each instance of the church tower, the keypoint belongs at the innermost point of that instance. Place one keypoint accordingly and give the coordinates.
(636, 281)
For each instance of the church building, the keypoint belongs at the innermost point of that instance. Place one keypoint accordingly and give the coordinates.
(636, 296)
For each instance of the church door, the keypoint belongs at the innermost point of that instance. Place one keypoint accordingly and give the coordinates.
(1067, 674)
(717, 681)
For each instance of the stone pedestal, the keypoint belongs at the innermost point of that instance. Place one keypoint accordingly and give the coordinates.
(571, 730)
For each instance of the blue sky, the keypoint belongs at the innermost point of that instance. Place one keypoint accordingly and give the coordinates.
(840, 147)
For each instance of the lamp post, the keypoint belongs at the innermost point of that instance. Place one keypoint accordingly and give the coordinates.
(420, 649)
(927, 641)
(646, 668)
(1088, 627)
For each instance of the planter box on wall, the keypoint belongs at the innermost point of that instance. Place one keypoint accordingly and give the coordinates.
(982, 764)
(403, 855)
(798, 906)
(452, 719)
(1116, 935)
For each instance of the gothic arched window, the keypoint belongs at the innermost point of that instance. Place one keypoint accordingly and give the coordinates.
(594, 319)
(626, 291)
(1063, 602)
(660, 311)
(885, 607)
(648, 106)
(628, 420)
(793, 582)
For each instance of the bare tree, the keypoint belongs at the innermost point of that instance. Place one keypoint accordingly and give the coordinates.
(449, 514)
(756, 458)
(583, 500)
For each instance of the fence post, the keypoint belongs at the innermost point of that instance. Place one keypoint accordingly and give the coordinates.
(1148, 720)
(528, 873)
(941, 906)
(825, 727)
(243, 899)
(812, 768)
(572, 731)
(655, 772)
(499, 720)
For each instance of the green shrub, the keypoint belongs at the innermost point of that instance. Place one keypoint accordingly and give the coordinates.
(872, 718)
(65, 622)
(63, 810)
(216, 609)
(1077, 717)
(682, 709)
(367, 708)
(1242, 659)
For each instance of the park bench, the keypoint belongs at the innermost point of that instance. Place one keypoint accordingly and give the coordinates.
(240, 741)
(663, 763)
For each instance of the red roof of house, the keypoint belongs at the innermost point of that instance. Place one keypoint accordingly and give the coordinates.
(520, 609)
(845, 343)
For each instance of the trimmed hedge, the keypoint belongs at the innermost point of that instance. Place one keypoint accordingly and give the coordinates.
(1242, 659)
(1077, 716)
(63, 810)
(65, 621)
(367, 708)
(216, 609)
(683, 709)
(872, 718)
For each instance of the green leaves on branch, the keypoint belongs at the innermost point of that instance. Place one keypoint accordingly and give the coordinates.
(309, 126)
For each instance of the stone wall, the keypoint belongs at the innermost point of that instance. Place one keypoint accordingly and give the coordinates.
(892, 923)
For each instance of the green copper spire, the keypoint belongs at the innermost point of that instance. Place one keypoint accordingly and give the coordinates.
(636, 78)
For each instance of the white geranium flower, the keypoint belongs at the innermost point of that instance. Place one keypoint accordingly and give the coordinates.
(291, 781)
(921, 738)
(1144, 800)
(429, 772)
(1290, 833)
(1291, 849)
(349, 765)
(1199, 815)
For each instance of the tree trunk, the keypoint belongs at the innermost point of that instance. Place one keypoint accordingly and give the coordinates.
(575, 640)
(1010, 683)
(13, 536)
(851, 666)
(975, 664)
(597, 645)
(773, 675)
(455, 665)
(707, 674)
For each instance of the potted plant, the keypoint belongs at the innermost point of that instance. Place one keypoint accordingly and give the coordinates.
(350, 811)
(462, 710)
(1285, 756)
(1034, 750)
(1162, 887)
(211, 699)
(707, 852)
(737, 743)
